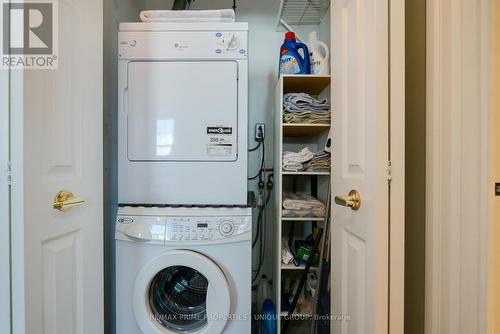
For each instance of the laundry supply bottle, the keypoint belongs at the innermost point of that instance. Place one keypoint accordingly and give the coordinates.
(294, 56)
(319, 55)
(264, 290)
(269, 317)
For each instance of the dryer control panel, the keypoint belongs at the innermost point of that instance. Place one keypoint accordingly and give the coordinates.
(205, 228)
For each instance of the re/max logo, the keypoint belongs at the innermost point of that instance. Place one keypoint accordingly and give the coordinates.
(220, 130)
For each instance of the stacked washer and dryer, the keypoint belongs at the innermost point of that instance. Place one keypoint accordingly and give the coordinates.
(183, 230)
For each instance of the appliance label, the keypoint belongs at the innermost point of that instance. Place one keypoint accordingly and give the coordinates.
(219, 141)
(222, 130)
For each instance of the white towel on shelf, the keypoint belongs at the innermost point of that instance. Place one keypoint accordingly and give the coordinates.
(301, 156)
(222, 15)
(301, 201)
(294, 161)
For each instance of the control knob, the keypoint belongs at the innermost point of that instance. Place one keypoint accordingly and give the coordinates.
(226, 228)
(230, 42)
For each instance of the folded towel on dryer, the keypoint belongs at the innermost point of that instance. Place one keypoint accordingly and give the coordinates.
(222, 15)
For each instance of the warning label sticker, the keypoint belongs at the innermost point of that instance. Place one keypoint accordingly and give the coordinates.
(219, 141)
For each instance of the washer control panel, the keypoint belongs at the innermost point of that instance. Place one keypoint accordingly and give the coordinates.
(205, 228)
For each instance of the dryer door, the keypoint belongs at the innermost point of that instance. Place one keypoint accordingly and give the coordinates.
(182, 111)
(181, 291)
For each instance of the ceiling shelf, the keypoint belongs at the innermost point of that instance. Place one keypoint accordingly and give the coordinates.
(302, 12)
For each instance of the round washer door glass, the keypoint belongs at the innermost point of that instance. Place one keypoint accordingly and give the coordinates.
(181, 291)
(178, 298)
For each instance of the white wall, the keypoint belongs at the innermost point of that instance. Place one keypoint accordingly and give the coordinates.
(115, 11)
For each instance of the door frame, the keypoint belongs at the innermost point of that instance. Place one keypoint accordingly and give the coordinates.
(457, 165)
(5, 259)
(396, 169)
(17, 202)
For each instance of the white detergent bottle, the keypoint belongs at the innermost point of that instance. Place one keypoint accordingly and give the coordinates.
(319, 54)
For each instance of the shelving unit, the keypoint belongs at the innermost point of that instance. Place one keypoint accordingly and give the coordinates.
(293, 137)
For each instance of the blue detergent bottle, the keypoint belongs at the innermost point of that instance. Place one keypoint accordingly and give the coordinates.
(268, 317)
(291, 60)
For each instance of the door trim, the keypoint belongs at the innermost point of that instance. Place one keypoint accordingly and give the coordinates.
(397, 165)
(457, 166)
(5, 282)
(17, 202)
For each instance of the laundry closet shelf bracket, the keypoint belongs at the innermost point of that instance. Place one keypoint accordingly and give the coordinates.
(301, 12)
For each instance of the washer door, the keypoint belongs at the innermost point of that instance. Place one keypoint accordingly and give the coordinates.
(181, 292)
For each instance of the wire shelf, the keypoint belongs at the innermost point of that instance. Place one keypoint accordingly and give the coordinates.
(302, 12)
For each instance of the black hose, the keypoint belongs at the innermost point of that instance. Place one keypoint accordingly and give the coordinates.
(262, 163)
(256, 147)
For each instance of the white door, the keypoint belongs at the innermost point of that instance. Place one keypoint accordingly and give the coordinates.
(62, 136)
(360, 248)
(174, 109)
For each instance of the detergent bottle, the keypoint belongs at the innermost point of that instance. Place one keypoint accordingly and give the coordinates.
(319, 54)
(291, 60)
(269, 317)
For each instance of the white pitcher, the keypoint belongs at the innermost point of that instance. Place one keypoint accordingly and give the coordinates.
(319, 54)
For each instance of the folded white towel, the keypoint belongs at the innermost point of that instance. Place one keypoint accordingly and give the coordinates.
(222, 15)
(301, 201)
(303, 155)
(293, 166)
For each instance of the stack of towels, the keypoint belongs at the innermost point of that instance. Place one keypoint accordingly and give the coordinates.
(222, 15)
(306, 160)
(321, 162)
(295, 161)
(303, 108)
(302, 205)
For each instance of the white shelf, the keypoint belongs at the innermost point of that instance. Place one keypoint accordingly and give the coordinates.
(306, 173)
(303, 219)
(302, 12)
(296, 135)
(291, 266)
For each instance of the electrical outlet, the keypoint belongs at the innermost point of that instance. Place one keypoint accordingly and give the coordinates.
(260, 131)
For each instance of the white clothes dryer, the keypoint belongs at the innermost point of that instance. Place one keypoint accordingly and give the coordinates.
(183, 105)
(183, 270)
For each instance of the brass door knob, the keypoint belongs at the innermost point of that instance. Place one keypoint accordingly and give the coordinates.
(352, 201)
(65, 200)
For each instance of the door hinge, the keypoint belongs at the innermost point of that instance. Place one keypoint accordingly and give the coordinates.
(9, 173)
(389, 171)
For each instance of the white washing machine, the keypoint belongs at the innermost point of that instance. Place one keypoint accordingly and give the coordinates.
(183, 270)
(183, 104)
